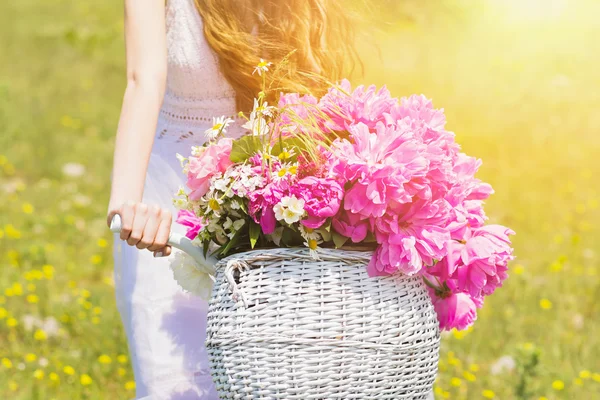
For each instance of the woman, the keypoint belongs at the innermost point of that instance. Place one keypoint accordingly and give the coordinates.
(188, 62)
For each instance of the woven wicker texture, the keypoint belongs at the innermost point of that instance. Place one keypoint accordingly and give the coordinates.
(284, 326)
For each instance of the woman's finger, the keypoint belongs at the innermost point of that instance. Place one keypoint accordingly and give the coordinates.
(139, 223)
(127, 213)
(163, 232)
(151, 228)
(164, 252)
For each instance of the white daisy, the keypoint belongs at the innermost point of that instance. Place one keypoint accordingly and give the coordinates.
(219, 126)
(263, 66)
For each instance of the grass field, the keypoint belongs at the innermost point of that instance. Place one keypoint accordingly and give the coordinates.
(521, 90)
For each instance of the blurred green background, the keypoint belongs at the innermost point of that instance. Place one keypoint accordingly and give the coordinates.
(520, 85)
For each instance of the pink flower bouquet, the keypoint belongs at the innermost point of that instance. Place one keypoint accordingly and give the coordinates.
(353, 167)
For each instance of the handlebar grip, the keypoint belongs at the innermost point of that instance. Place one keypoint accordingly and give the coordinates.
(180, 242)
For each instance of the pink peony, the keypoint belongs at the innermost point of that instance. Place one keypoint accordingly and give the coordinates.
(321, 197)
(261, 203)
(379, 165)
(455, 310)
(484, 260)
(214, 159)
(351, 226)
(193, 223)
(345, 108)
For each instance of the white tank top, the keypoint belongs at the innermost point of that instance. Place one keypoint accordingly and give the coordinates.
(196, 89)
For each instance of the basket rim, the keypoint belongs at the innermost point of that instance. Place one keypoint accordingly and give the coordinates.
(269, 254)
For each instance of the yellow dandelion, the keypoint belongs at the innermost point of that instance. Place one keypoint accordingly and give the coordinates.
(6, 363)
(121, 371)
(68, 370)
(85, 293)
(474, 368)
(542, 398)
(585, 374)
(9, 292)
(102, 243)
(438, 390)
(17, 289)
(446, 394)
(469, 376)
(11, 322)
(12, 232)
(488, 394)
(72, 284)
(596, 377)
(40, 335)
(454, 362)
(545, 304)
(13, 386)
(53, 376)
(32, 298)
(518, 269)
(104, 359)
(558, 385)
(456, 382)
(27, 208)
(3, 313)
(122, 358)
(30, 357)
(97, 310)
(38, 374)
(528, 346)
(130, 385)
(48, 271)
(85, 380)
(96, 259)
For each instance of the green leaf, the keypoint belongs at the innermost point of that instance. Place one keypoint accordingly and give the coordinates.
(289, 143)
(205, 246)
(223, 250)
(244, 148)
(254, 232)
(338, 240)
(290, 238)
(325, 232)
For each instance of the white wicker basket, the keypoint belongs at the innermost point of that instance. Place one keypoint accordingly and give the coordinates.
(284, 326)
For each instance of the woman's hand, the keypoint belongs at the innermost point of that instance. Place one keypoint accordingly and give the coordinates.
(145, 227)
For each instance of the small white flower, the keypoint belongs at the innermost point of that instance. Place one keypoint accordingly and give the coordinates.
(219, 126)
(189, 277)
(73, 170)
(290, 209)
(257, 124)
(180, 204)
(228, 223)
(263, 66)
(221, 184)
(237, 225)
(313, 246)
(182, 159)
(197, 150)
(504, 363)
(235, 205)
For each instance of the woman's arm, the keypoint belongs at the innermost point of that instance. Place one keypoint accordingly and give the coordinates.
(145, 42)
